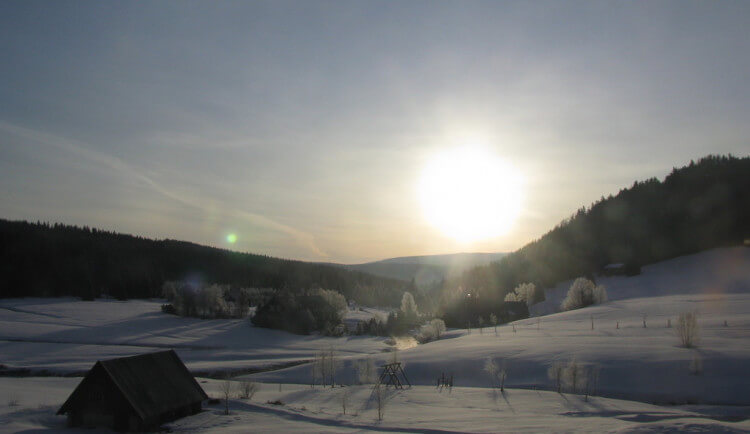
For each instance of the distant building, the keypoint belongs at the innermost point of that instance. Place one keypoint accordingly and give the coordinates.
(135, 393)
(621, 269)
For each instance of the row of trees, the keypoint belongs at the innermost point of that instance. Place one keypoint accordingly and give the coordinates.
(49, 260)
(206, 301)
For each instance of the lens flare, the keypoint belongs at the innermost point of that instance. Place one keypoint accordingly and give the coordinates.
(232, 238)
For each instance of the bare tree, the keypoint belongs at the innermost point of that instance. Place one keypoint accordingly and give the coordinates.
(344, 398)
(574, 373)
(480, 324)
(592, 380)
(226, 392)
(493, 321)
(380, 399)
(332, 364)
(687, 329)
(555, 373)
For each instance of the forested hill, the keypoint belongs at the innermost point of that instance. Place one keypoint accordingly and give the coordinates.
(39, 259)
(697, 207)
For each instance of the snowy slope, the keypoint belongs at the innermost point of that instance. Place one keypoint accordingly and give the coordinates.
(67, 335)
(635, 362)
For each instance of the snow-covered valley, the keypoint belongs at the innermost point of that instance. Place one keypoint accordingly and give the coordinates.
(638, 366)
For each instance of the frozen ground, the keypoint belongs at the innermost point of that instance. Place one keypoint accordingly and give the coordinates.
(636, 363)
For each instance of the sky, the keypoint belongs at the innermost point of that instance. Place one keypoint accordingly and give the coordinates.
(303, 129)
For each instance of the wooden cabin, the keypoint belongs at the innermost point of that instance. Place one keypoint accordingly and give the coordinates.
(135, 393)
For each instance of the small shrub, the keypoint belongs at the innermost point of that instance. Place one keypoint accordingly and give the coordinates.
(169, 309)
(687, 329)
(248, 389)
(277, 402)
(13, 401)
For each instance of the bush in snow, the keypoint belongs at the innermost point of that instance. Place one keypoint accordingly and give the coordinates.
(582, 293)
(687, 329)
(431, 330)
(248, 389)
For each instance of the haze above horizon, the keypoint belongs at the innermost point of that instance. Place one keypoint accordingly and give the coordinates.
(356, 131)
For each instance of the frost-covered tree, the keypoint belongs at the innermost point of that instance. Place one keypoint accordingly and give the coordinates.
(582, 293)
(497, 372)
(525, 292)
(408, 305)
(431, 330)
(438, 327)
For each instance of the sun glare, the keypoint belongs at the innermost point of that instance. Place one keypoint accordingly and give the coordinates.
(470, 194)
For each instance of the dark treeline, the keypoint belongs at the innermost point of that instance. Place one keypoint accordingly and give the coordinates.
(42, 259)
(701, 206)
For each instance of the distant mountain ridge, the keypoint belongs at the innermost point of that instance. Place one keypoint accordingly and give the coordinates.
(427, 269)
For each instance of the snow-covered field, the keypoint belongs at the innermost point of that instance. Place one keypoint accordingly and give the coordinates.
(636, 363)
(420, 409)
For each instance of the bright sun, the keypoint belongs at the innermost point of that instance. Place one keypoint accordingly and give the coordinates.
(470, 194)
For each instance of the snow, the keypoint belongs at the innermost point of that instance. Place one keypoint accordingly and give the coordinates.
(639, 366)
(422, 408)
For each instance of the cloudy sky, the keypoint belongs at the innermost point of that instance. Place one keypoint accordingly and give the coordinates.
(305, 128)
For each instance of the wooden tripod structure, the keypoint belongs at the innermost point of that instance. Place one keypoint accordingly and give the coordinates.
(390, 376)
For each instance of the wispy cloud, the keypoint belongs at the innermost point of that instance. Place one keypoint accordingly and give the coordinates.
(84, 151)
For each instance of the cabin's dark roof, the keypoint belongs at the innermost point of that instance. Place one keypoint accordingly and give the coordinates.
(152, 383)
